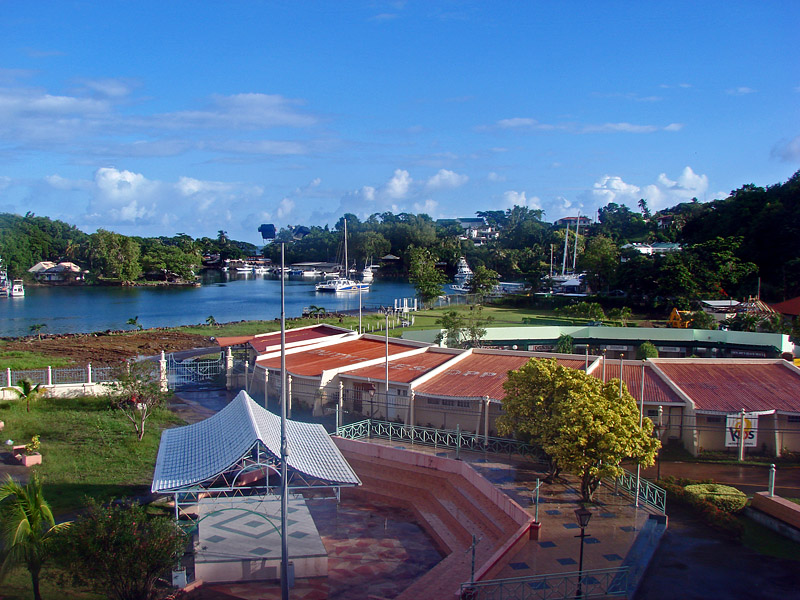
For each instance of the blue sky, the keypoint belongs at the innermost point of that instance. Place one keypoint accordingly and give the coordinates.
(155, 118)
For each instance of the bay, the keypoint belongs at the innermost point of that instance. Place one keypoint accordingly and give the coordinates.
(226, 297)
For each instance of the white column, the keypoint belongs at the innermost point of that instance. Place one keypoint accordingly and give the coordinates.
(266, 387)
(162, 372)
(89, 373)
(289, 396)
(49, 375)
(486, 421)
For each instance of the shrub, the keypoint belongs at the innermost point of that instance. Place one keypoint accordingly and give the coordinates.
(721, 520)
(724, 497)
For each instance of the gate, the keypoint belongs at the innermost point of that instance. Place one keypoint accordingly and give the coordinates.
(195, 372)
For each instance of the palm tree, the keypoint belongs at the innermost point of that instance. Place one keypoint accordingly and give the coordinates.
(27, 528)
(26, 390)
(135, 322)
(211, 321)
(37, 328)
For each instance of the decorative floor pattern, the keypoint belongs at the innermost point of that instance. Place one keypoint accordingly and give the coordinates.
(373, 550)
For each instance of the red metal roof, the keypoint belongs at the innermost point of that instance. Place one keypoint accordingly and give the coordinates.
(404, 370)
(730, 386)
(262, 342)
(481, 374)
(789, 307)
(313, 362)
(233, 340)
(656, 391)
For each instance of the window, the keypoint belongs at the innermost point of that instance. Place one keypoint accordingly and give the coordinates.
(433, 401)
(712, 419)
(652, 412)
(463, 403)
(448, 403)
(794, 418)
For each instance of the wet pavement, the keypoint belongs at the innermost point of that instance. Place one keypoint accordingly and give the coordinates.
(693, 562)
(750, 478)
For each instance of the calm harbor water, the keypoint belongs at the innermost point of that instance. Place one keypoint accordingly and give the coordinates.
(231, 297)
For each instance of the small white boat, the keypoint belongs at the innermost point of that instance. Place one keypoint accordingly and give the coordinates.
(260, 270)
(341, 284)
(312, 273)
(17, 290)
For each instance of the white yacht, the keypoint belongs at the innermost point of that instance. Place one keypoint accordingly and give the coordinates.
(342, 284)
(463, 272)
(17, 290)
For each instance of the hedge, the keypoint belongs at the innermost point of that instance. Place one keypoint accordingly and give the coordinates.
(724, 497)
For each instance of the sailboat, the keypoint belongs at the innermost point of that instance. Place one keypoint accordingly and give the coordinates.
(342, 284)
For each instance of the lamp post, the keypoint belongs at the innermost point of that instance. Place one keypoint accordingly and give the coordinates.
(660, 429)
(582, 515)
(371, 390)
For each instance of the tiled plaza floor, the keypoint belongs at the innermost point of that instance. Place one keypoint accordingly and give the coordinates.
(374, 551)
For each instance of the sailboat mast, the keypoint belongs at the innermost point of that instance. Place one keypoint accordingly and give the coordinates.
(346, 268)
(564, 258)
(575, 254)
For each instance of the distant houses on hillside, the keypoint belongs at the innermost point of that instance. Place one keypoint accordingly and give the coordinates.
(64, 272)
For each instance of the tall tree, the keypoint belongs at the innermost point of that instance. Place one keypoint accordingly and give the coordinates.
(600, 261)
(483, 281)
(115, 256)
(425, 276)
(27, 527)
(584, 426)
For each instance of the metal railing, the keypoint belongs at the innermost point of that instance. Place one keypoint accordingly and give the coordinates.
(595, 583)
(60, 375)
(649, 493)
(450, 439)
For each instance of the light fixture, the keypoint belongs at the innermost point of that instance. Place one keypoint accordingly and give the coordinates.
(583, 516)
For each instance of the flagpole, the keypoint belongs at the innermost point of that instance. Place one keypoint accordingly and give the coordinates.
(284, 444)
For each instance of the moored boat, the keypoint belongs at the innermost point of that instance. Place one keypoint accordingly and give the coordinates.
(17, 289)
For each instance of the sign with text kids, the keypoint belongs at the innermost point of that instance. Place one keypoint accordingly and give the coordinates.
(733, 429)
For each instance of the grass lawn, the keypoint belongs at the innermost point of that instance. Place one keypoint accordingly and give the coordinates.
(17, 586)
(19, 360)
(88, 449)
(765, 541)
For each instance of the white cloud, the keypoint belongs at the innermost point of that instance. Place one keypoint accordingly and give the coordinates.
(123, 196)
(665, 192)
(111, 88)
(285, 208)
(740, 91)
(630, 128)
(514, 198)
(516, 122)
(397, 186)
(495, 177)
(788, 150)
(428, 207)
(612, 189)
(241, 111)
(447, 179)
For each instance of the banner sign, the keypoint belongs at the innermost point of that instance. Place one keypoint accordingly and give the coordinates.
(733, 429)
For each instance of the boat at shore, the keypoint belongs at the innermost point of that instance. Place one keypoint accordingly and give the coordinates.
(17, 289)
(342, 284)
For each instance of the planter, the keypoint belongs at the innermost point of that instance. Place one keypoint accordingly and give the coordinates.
(27, 460)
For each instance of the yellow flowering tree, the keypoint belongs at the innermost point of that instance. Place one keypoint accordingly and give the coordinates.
(583, 425)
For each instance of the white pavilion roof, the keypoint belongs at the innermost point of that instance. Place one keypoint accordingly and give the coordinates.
(199, 452)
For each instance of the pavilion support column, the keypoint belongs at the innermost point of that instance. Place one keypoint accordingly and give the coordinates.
(266, 388)
(340, 405)
(775, 422)
(289, 396)
(228, 368)
(412, 401)
(486, 421)
(478, 418)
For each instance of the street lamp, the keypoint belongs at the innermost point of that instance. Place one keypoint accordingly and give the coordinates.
(371, 390)
(582, 515)
(660, 429)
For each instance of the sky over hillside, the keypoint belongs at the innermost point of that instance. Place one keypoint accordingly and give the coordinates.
(156, 118)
